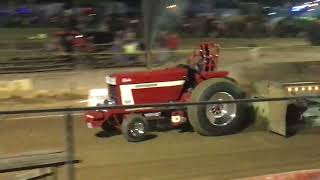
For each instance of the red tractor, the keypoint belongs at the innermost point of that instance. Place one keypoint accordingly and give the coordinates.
(87, 42)
(75, 41)
(198, 81)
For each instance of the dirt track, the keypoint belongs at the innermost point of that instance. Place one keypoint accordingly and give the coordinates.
(170, 155)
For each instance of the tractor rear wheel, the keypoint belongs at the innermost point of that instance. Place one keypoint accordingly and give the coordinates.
(217, 119)
(134, 128)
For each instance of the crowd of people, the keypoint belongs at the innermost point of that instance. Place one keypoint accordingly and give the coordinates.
(122, 35)
(126, 46)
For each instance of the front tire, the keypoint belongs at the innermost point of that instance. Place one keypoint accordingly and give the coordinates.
(217, 119)
(134, 128)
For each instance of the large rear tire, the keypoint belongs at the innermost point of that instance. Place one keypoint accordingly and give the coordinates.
(217, 119)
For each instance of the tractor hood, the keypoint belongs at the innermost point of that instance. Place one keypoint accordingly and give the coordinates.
(164, 75)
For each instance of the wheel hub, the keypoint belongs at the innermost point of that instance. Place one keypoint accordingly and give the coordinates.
(217, 110)
(137, 129)
(221, 114)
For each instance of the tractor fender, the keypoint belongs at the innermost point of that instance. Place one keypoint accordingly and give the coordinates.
(210, 75)
(232, 80)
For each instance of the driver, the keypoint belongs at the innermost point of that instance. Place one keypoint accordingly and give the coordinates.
(197, 60)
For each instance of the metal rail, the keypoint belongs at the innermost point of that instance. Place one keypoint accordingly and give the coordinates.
(186, 50)
(159, 105)
(301, 83)
(69, 121)
(159, 51)
(35, 161)
(60, 63)
(98, 60)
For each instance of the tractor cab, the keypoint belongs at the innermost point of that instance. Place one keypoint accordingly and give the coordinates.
(206, 57)
(203, 64)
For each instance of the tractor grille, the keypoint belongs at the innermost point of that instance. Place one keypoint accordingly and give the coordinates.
(113, 93)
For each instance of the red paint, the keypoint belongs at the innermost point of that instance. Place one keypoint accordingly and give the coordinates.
(209, 75)
(170, 74)
(296, 175)
(186, 97)
(96, 118)
(157, 95)
(99, 117)
(81, 43)
(152, 95)
(88, 11)
(67, 33)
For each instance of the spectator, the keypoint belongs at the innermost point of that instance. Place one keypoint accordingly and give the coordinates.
(116, 48)
(131, 47)
(161, 40)
(173, 42)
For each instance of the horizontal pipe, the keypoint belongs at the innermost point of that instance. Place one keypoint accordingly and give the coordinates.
(301, 83)
(178, 104)
(164, 51)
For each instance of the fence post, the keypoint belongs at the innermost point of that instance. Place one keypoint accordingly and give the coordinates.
(148, 59)
(69, 134)
(54, 173)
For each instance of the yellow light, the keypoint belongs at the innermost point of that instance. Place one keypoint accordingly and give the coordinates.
(310, 88)
(303, 88)
(289, 89)
(172, 6)
(316, 88)
(296, 89)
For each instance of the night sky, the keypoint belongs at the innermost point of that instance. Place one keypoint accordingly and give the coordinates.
(130, 2)
(138, 2)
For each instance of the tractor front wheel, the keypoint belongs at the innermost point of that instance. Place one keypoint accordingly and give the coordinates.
(134, 128)
(217, 119)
